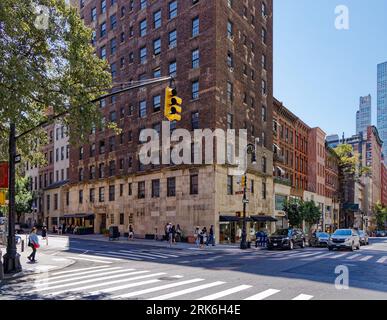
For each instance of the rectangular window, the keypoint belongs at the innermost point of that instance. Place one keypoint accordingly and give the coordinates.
(142, 109)
(143, 4)
(157, 19)
(195, 26)
(155, 188)
(156, 103)
(195, 59)
(143, 55)
(230, 30)
(172, 10)
(230, 189)
(101, 194)
(194, 184)
(171, 187)
(121, 190)
(230, 91)
(92, 195)
(141, 190)
(113, 46)
(157, 47)
(80, 196)
(55, 201)
(122, 219)
(172, 39)
(143, 28)
(112, 193)
(264, 190)
(130, 189)
(112, 168)
(103, 29)
(113, 21)
(195, 120)
(172, 69)
(103, 6)
(195, 90)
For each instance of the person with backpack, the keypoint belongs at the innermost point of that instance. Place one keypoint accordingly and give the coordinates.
(33, 242)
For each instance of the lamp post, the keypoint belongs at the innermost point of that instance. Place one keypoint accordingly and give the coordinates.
(250, 150)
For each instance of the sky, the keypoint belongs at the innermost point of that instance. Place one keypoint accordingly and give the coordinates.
(321, 72)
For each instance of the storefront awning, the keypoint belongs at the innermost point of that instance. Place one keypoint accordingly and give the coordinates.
(232, 219)
(263, 219)
(79, 215)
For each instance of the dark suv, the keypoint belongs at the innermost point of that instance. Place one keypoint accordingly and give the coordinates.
(286, 239)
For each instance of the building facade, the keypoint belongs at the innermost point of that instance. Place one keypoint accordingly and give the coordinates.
(220, 55)
(364, 114)
(382, 102)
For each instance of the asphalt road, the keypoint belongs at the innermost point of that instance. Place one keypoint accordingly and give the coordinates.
(105, 270)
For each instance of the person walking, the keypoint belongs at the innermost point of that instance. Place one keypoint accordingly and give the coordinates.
(166, 232)
(131, 233)
(197, 236)
(211, 237)
(203, 237)
(173, 234)
(44, 233)
(33, 242)
(170, 234)
(178, 233)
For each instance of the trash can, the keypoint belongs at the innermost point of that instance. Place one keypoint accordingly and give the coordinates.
(114, 233)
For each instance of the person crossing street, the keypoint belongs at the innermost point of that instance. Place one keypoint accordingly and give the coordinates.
(33, 242)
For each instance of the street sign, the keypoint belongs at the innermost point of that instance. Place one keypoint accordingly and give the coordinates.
(245, 200)
(4, 175)
(239, 193)
(18, 158)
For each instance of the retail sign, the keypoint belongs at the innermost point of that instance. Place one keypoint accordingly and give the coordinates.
(4, 175)
(2, 197)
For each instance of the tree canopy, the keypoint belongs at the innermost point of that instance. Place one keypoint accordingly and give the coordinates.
(47, 62)
(298, 211)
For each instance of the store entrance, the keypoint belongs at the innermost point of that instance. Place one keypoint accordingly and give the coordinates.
(230, 232)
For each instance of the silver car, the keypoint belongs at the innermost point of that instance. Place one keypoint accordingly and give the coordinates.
(344, 239)
(364, 238)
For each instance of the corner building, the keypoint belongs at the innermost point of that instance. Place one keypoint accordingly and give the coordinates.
(221, 56)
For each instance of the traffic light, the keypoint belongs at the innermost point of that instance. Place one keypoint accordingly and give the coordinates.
(244, 181)
(2, 198)
(172, 109)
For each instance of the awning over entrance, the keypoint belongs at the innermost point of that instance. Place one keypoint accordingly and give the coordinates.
(263, 219)
(80, 215)
(232, 219)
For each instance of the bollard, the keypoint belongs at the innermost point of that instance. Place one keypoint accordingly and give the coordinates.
(22, 246)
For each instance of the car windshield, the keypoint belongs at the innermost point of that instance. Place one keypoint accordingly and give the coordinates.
(361, 233)
(322, 235)
(343, 232)
(282, 232)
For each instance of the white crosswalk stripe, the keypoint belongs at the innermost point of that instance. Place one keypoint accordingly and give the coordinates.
(263, 295)
(84, 273)
(146, 254)
(96, 257)
(130, 255)
(382, 260)
(76, 270)
(122, 258)
(186, 291)
(354, 256)
(303, 297)
(225, 293)
(366, 258)
(92, 260)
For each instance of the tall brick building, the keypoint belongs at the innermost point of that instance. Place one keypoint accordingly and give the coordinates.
(221, 55)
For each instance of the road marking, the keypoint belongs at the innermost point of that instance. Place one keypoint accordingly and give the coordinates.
(157, 255)
(186, 291)
(165, 254)
(382, 260)
(136, 255)
(92, 260)
(225, 293)
(108, 283)
(81, 282)
(338, 256)
(126, 286)
(97, 257)
(150, 290)
(366, 258)
(106, 272)
(263, 295)
(303, 297)
(327, 255)
(306, 255)
(76, 270)
(353, 256)
(121, 258)
(83, 273)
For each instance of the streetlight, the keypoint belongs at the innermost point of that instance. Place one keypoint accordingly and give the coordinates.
(250, 150)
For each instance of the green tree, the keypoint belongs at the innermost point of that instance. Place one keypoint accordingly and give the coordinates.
(47, 66)
(23, 197)
(380, 215)
(293, 210)
(311, 213)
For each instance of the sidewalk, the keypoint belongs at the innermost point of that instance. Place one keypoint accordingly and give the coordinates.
(45, 262)
(153, 243)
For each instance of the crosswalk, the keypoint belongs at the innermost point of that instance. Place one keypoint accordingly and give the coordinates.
(114, 283)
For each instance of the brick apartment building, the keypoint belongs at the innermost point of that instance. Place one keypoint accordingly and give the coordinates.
(220, 54)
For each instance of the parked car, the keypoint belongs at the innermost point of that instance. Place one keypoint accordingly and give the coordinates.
(364, 238)
(286, 239)
(319, 239)
(381, 233)
(344, 239)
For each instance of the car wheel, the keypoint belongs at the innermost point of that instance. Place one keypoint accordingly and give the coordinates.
(353, 246)
(330, 248)
(303, 244)
(291, 245)
(358, 246)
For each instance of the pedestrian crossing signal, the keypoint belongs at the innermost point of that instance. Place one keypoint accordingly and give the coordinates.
(172, 108)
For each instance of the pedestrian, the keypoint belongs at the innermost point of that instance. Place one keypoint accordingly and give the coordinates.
(197, 236)
(166, 232)
(64, 228)
(203, 237)
(44, 233)
(173, 230)
(211, 237)
(33, 242)
(178, 233)
(131, 233)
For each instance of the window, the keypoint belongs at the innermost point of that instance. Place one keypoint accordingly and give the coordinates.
(230, 121)
(142, 109)
(171, 187)
(230, 91)
(194, 184)
(123, 12)
(157, 47)
(172, 39)
(157, 19)
(55, 201)
(264, 35)
(113, 46)
(263, 10)
(195, 120)
(92, 195)
(113, 21)
(141, 190)
(157, 73)
(113, 69)
(264, 190)
(101, 194)
(230, 60)
(264, 114)
(80, 174)
(264, 164)
(155, 188)
(195, 26)
(113, 116)
(103, 53)
(121, 190)
(130, 189)
(112, 168)
(112, 142)
(195, 59)
(143, 4)
(264, 87)
(143, 28)
(112, 193)
(263, 62)
(122, 219)
(143, 55)
(230, 189)
(172, 69)
(103, 6)
(156, 103)
(195, 90)
(172, 10)
(230, 31)
(103, 29)
(80, 196)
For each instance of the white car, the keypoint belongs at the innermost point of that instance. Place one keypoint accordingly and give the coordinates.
(344, 239)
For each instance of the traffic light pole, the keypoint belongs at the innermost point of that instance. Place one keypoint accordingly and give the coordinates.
(11, 260)
(244, 227)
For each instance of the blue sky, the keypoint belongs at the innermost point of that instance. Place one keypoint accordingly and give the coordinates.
(320, 72)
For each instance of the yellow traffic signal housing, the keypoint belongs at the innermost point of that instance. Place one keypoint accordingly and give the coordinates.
(172, 108)
(2, 197)
(244, 181)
